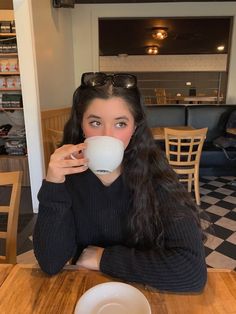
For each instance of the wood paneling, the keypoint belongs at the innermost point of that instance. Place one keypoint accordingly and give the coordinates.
(52, 119)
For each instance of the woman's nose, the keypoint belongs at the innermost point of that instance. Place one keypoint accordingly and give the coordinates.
(107, 132)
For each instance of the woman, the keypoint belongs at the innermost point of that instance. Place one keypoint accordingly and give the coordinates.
(137, 223)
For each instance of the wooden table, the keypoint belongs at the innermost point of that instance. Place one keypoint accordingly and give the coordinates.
(25, 289)
(159, 134)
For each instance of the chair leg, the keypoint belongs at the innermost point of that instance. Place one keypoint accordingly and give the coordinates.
(190, 178)
(196, 187)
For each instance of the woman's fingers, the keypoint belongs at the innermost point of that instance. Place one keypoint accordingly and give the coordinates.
(67, 163)
(65, 151)
(61, 163)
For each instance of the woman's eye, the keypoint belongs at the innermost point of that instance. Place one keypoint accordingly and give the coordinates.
(95, 123)
(121, 124)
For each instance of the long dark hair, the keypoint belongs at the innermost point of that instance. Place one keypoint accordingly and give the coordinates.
(154, 186)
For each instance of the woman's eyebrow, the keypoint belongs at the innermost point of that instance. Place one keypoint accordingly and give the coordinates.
(93, 116)
(122, 117)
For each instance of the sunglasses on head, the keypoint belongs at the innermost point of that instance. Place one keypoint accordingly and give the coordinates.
(118, 80)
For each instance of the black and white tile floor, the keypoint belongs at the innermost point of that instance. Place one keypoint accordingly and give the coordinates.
(218, 201)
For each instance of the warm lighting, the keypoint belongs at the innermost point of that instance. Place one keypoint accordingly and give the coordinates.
(123, 55)
(188, 83)
(178, 94)
(159, 33)
(152, 50)
(221, 48)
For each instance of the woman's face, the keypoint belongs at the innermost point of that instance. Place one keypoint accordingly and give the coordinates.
(109, 117)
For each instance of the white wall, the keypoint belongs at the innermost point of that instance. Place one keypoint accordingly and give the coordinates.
(164, 63)
(44, 38)
(54, 54)
(85, 29)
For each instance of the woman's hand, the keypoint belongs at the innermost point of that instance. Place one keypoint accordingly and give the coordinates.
(90, 258)
(63, 163)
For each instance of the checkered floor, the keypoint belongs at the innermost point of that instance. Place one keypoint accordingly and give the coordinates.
(218, 201)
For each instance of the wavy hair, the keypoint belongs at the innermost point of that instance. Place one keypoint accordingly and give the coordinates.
(154, 186)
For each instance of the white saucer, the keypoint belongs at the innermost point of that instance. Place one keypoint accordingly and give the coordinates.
(113, 298)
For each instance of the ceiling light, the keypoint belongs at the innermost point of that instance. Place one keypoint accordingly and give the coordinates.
(188, 83)
(152, 50)
(159, 33)
(123, 55)
(221, 48)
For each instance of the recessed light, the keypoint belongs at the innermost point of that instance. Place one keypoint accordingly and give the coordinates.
(221, 48)
(159, 33)
(152, 50)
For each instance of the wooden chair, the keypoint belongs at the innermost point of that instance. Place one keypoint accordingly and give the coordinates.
(183, 151)
(55, 137)
(13, 179)
(161, 96)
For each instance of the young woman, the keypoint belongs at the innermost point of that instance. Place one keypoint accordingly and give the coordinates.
(137, 223)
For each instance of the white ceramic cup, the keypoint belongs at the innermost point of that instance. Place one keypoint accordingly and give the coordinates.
(105, 153)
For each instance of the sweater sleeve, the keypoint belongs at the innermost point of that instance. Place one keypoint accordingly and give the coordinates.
(54, 233)
(178, 267)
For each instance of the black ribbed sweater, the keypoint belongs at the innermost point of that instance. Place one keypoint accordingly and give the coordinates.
(82, 211)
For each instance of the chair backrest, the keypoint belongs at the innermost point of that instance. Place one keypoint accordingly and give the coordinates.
(12, 210)
(184, 147)
(161, 95)
(55, 137)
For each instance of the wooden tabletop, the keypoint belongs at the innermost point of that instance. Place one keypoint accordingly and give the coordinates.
(25, 289)
(159, 134)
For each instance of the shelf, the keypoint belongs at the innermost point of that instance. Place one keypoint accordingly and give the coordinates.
(10, 73)
(9, 89)
(9, 51)
(12, 137)
(9, 54)
(10, 109)
(7, 34)
(13, 156)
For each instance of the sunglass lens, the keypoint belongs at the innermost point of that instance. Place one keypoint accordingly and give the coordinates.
(94, 79)
(124, 80)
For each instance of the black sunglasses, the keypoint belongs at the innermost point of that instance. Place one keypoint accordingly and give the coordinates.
(123, 80)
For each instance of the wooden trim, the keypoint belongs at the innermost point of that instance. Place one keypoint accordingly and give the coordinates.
(51, 113)
(10, 73)
(7, 34)
(8, 54)
(9, 89)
